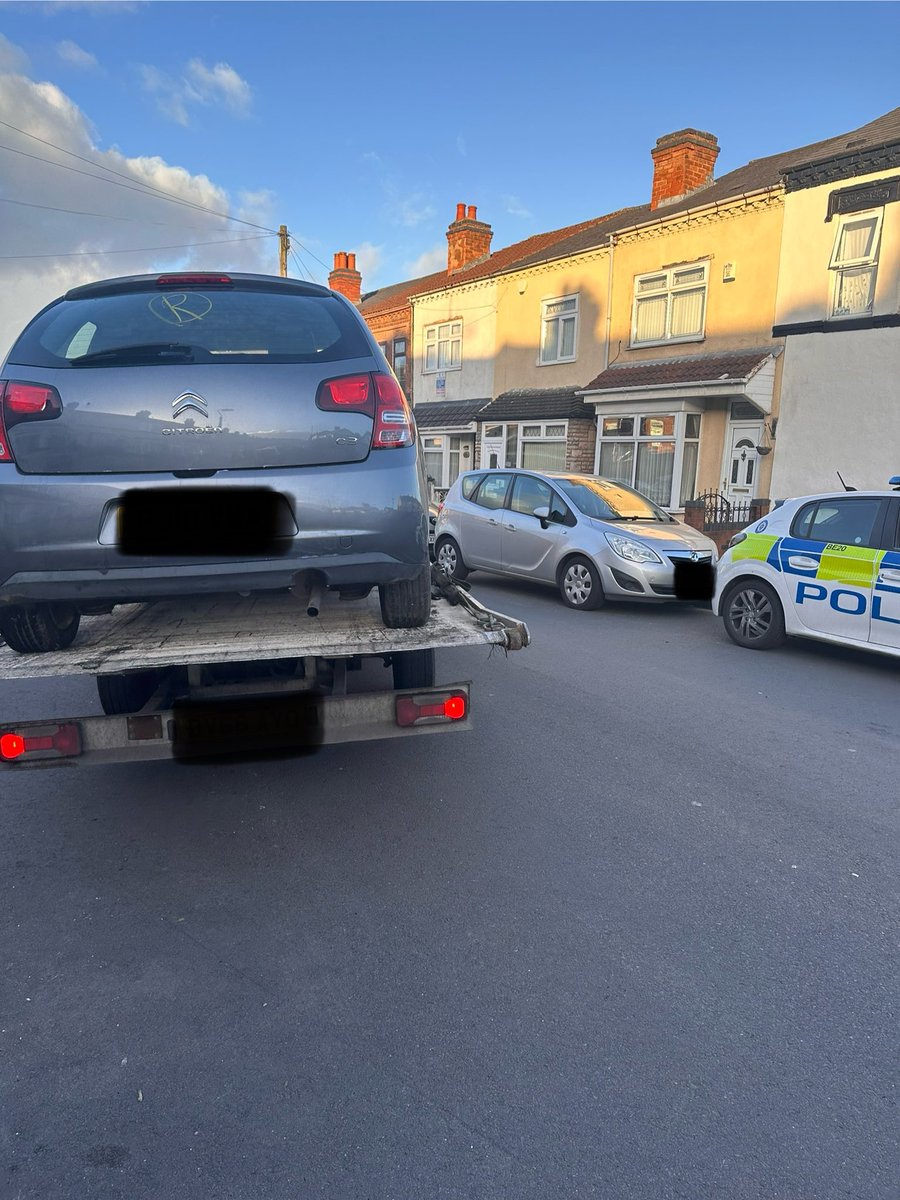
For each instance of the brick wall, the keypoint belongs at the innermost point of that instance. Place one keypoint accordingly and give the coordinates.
(722, 533)
(682, 162)
(581, 446)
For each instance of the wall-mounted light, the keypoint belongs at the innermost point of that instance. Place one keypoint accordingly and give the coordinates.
(729, 272)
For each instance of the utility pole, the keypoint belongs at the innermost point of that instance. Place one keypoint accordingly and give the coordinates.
(285, 246)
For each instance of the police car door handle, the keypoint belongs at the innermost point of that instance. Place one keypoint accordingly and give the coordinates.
(802, 562)
(889, 576)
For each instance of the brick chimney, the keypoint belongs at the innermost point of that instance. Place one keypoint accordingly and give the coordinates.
(468, 239)
(682, 163)
(345, 278)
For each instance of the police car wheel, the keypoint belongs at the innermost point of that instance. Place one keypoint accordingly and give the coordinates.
(753, 615)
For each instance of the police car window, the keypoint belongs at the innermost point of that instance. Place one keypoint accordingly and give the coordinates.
(844, 522)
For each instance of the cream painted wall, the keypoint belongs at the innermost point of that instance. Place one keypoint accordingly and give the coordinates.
(476, 306)
(805, 280)
(520, 296)
(839, 412)
(739, 314)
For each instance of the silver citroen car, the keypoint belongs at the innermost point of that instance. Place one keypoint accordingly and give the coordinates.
(180, 434)
(593, 538)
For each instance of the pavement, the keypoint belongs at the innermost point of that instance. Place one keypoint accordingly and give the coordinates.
(633, 937)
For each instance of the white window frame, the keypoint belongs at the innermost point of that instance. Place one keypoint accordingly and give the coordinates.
(668, 290)
(466, 441)
(838, 266)
(522, 439)
(678, 437)
(571, 314)
(444, 332)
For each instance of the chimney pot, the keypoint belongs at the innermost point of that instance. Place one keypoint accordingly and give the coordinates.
(471, 213)
(351, 262)
(345, 278)
(460, 212)
(468, 240)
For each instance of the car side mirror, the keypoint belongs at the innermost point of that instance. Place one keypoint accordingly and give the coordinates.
(543, 515)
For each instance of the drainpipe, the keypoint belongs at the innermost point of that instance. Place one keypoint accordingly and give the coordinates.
(609, 287)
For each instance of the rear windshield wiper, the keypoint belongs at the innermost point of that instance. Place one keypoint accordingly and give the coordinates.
(148, 350)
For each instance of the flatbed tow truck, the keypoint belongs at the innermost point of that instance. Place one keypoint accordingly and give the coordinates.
(201, 679)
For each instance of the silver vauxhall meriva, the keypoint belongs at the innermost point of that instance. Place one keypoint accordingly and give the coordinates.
(593, 538)
(178, 434)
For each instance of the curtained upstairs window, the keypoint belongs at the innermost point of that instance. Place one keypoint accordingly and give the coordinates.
(670, 306)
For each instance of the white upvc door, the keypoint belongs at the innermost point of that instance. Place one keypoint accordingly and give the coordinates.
(742, 461)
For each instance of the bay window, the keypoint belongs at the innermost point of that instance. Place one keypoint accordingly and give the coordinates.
(656, 454)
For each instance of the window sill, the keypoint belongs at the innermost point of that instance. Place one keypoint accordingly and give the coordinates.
(555, 362)
(667, 342)
(442, 370)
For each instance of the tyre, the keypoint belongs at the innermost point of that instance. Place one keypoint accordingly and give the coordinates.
(413, 669)
(407, 603)
(448, 557)
(579, 584)
(126, 693)
(39, 628)
(753, 616)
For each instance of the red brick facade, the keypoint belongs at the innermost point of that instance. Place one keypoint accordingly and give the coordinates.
(682, 162)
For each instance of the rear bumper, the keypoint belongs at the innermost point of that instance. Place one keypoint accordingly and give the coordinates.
(358, 525)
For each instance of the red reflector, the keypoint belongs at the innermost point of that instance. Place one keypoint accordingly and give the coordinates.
(192, 280)
(430, 710)
(354, 390)
(28, 398)
(11, 745)
(63, 740)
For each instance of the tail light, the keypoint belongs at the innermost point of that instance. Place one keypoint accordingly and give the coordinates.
(378, 396)
(195, 281)
(349, 393)
(431, 709)
(24, 402)
(41, 741)
(393, 416)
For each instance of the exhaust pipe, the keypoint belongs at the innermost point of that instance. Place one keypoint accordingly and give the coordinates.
(314, 600)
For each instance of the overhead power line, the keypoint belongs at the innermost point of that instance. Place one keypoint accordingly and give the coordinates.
(143, 189)
(79, 212)
(254, 237)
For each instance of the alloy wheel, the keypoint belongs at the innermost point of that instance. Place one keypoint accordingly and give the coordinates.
(751, 614)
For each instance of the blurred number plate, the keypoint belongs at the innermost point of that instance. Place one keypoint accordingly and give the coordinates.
(694, 580)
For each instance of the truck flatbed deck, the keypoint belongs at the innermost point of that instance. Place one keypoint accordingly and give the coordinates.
(214, 691)
(222, 629)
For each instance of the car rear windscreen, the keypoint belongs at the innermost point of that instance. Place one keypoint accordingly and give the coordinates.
(215, 326)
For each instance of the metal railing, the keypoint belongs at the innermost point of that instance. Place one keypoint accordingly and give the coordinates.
(721, 513)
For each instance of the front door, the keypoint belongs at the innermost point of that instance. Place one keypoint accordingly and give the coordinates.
(492, 452)
(742, 463)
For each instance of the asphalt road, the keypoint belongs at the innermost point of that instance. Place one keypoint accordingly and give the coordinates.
(635, 936)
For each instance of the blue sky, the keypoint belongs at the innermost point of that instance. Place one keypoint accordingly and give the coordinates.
(361, 126)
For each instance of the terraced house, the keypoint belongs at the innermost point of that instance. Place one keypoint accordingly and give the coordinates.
(644, 345)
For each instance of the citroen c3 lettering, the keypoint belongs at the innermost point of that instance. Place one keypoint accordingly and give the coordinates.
(203, 395)
(824, 567)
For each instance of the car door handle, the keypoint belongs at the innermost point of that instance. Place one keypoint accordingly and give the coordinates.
(802, 562)
(511, 528)
(491, 521)
(889, 576)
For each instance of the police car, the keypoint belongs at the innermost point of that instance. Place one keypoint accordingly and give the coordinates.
(825, 567)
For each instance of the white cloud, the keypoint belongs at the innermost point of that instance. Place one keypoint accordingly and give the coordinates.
(412, 210)
(432, 260)
(198, 84)
(515, 207)
(75, 56)
(12, 57)
(77, 248)
(368, 262)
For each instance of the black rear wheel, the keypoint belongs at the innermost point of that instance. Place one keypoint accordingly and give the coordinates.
(413, 669)
(39, 628)
(126, 693)
(406, 604)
